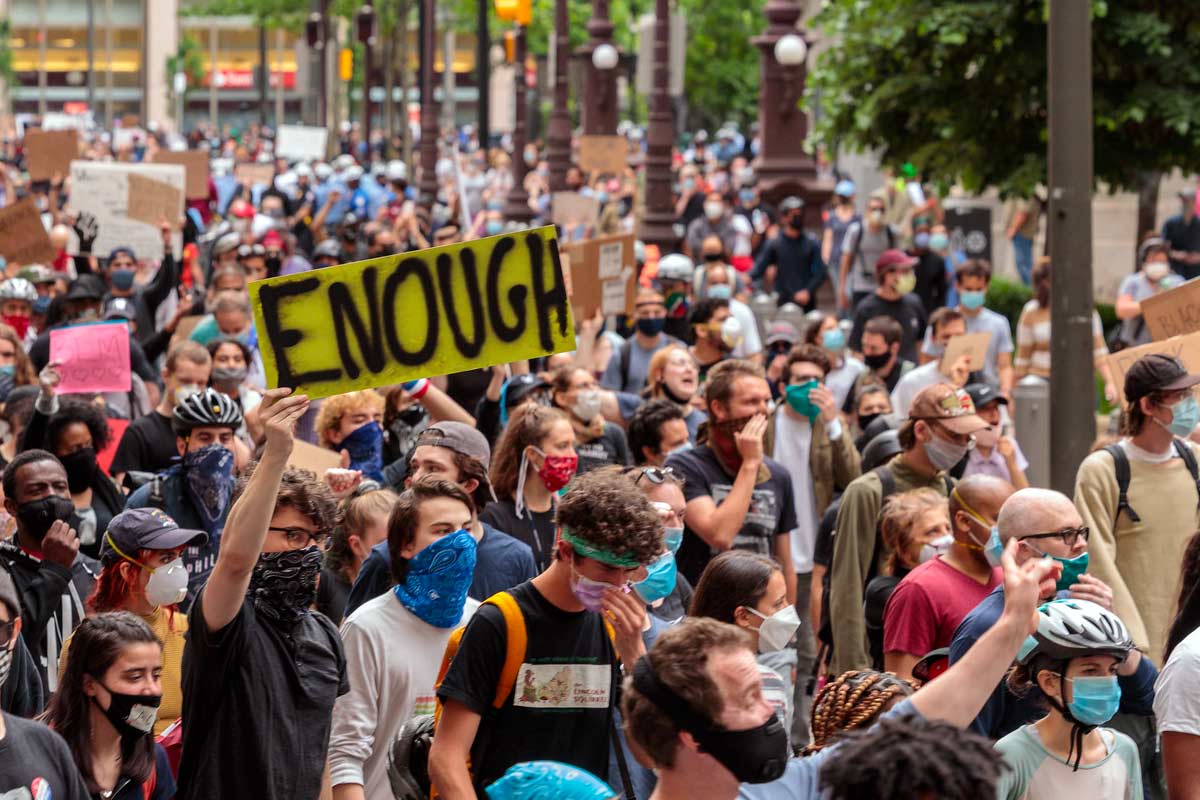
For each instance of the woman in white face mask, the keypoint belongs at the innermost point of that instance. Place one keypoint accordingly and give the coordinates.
(144, 573)
(1154, 276)
(747, 589)
(598, 442)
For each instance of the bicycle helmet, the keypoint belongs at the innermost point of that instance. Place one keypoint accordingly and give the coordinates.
(328, 248)
(408, 759)
(208, 408)
(18, 289)
(881, 449)
(1074, 628)
(676, 267)
(227, 242)
(37, 273)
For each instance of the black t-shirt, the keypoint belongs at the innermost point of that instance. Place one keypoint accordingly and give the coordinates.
(931, 279)
(772, 509)
(908, 311)
(607, 449)
(35, 763)
(538, 532)
(561, 706)
(148, 445)
(22, 693)
(259, 706)
(1183, 236)
(332, 592)
(465, 388)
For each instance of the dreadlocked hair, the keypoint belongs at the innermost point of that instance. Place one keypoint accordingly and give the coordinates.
(853, 700)
(899, 759)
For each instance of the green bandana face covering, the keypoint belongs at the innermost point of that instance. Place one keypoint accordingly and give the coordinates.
(797, 396)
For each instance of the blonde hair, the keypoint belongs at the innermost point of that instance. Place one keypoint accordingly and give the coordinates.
(329, 418)
(898, 519)
(658, 365)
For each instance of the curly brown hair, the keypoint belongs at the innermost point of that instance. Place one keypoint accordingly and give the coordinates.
(302, 490)
(607, 511)
(680, 660)
(853, 700)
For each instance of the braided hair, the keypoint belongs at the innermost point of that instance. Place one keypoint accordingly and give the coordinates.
(853, 700)
(908, 757)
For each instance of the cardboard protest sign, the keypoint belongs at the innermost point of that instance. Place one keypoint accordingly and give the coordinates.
(310, 456)
(48, 152)
(23, 237)
(150, 200)
(572, 208)
(602, 275)
(396, 318)
(301, 142)
(257, 174)
(604, 154)
(102, 189)
(1186, 348)
(974, 345)
(92, 358)
(116, 429)
(195, 165)
(1173, 312)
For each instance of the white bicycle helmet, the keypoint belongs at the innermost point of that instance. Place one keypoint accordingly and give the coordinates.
(18, 289)
(676, 267)
(1073, 628)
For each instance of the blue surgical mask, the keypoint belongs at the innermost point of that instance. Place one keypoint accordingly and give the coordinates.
(938, 241)
(683, 448)
(122, 279)
(602, 197)
(8, 369)
(673, 538)
(365, 447)
(720, 291)
(435, 586)
(834, 340)
(493, 227)
(921, 240)
(972, 300)
(660, 578)
(746, 196)
(1185, 415)
(1094, 700)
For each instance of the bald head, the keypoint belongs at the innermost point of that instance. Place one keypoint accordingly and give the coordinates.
(1031, 511)
(983, 494)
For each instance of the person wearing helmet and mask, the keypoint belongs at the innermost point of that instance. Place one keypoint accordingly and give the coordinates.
(196, 492)
(1073, 659)
(143, 573)
(1153, 276)
(674, 278)
(17, 296)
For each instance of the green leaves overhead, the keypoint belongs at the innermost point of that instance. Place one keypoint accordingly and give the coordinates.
(959, 88)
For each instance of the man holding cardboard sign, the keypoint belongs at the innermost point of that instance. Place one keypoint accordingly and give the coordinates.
(972, 279)
(962, 354)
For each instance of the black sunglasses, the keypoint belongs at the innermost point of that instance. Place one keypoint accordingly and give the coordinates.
(656, 475)
(1068, 536)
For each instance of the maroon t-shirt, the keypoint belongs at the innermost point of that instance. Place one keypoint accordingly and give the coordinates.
(927, 606)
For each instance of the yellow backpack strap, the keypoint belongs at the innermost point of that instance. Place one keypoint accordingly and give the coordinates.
(514, 622)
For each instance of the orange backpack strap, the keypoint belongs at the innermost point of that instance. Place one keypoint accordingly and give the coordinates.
(515, 638)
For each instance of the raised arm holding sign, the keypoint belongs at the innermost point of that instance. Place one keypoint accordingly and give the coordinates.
(92, 359)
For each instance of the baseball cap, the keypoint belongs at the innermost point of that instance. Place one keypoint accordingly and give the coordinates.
(844, 188)
(984, 393)
(950, 407)
(791, 203)
(892, 259)
(1157, 373)
(519, 386)
(460, 438)
(145, 529)
(782, 331)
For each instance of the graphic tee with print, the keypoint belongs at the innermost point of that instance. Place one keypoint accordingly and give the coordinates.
(772, 510)
(1035, 774)
(561, 705)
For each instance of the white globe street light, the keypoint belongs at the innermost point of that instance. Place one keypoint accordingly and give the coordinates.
(790, 50)
(605, 57)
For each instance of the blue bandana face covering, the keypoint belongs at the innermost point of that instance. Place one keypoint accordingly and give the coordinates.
(365, 447)
(208, 474)
(438, 578)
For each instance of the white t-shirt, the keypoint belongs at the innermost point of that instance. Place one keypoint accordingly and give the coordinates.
(392, 661)
(751, 343)
(793, 449)
(911, 385)
(1177, 690)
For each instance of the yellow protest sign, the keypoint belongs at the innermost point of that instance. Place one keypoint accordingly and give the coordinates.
(433, 312)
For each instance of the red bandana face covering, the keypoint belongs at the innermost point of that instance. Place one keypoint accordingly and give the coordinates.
(724, 441)
(18, 323)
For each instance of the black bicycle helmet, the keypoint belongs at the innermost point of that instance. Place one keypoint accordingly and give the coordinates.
(208, 408)
(880, 450)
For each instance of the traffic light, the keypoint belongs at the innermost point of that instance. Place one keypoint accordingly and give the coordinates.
(518, 11)
(346, 64)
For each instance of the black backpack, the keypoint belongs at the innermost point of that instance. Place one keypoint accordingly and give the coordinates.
(1121, 466)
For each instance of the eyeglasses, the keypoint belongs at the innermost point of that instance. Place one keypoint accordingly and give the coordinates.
(656, 475)
(1068, 537)
(7, 629)
(299, 538)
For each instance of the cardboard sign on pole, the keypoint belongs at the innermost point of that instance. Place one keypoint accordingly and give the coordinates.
(569, 209)
(392, 319)
(195, 165)
(301, 142)
(23, 237)
(1186, 348)
(1173, 312)
(48, 152)
(973, 345)
(602, 275)
(603, 154)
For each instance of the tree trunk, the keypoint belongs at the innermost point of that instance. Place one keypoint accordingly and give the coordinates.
(1147, 208)
(402, 54)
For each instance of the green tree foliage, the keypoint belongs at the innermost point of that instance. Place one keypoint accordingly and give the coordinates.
(287, 14)
(188, 59)
(958, 88)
